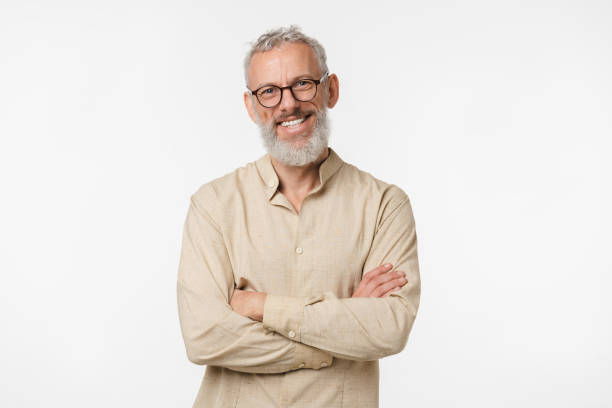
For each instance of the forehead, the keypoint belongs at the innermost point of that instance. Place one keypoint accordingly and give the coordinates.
(282, 64)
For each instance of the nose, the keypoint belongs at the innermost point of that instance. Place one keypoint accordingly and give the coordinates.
(288, 102)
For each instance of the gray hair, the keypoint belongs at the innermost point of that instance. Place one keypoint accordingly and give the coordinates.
(274, 38)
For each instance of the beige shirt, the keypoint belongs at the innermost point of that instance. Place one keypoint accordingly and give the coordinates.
(316, 346)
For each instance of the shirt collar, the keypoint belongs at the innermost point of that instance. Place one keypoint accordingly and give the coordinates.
(270, 181)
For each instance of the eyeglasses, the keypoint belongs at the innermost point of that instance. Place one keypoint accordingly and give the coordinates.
(303, 90)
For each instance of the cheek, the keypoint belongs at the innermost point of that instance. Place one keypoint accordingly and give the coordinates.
(319, 103)
(269, 120)
(264, 116)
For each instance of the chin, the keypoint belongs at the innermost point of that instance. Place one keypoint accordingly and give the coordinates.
(300, 137)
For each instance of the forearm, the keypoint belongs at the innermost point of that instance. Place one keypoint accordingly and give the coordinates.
(297, 317)
(352, 328)
(239, 343)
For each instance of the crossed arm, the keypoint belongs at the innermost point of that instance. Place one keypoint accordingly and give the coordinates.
(264, 333)
(379, 282)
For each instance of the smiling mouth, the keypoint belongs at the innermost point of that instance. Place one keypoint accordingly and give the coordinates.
(295, 122)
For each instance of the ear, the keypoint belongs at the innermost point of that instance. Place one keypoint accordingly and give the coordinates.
(248, 103)
(333, 88)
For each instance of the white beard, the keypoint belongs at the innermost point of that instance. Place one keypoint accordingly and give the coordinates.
(286, 153)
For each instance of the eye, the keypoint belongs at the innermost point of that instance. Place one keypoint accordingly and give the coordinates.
(267, 92)
(301, 83)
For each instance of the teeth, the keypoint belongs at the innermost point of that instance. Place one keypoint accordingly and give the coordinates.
(292, 122)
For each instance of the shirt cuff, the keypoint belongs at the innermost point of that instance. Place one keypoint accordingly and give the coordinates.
(284, 315)
(310, 357)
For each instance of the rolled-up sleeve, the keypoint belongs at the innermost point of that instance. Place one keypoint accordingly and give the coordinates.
(212, 332)
(360, 328)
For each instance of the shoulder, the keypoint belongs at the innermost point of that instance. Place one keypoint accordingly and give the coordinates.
(222, 191)
(385, 196)
(373, 186)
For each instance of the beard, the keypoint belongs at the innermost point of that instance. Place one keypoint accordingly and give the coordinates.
(285, 152)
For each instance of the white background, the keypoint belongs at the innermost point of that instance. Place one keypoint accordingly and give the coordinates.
(494, 117)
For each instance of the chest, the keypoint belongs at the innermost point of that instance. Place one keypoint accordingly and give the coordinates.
(322, 248)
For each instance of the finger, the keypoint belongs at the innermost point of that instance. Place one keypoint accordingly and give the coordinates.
(382, 289)
(386, 277)
(395, 289)
(374, 286)
(377, 271)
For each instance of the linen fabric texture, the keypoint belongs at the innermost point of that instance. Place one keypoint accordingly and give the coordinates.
(316, 346)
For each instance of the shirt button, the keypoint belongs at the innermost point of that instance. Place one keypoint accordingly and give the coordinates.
(291, 333)
(299, 250)
(324, 364)
(271, 183)
(302, 365)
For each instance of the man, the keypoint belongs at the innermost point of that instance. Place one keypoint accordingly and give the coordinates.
(272, 293)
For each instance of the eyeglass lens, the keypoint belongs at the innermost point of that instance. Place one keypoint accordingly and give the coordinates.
(303, 91)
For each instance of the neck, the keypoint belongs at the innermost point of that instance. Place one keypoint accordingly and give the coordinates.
(298, 181)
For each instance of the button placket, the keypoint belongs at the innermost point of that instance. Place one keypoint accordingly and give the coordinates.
(298, 253)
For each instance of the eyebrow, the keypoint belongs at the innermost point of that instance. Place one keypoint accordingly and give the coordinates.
(292, 81)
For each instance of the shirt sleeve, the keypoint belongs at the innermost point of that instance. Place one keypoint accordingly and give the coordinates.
(360, 328)
(213, 333)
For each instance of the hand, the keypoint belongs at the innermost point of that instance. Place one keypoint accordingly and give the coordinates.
(379, 282)
(248, 304)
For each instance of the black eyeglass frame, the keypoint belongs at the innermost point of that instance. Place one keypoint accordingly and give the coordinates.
(290, 87)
